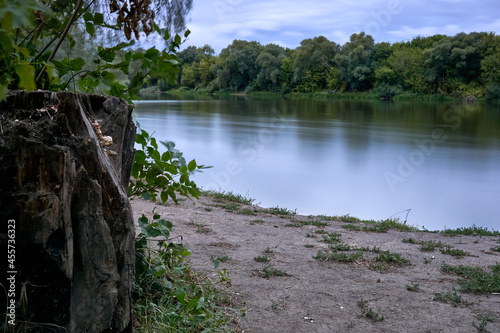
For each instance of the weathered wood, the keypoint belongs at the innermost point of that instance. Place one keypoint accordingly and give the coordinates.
(65, 184)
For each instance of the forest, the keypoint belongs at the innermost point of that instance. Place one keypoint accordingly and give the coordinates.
(465, 65)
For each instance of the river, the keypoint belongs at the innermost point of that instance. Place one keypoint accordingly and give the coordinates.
(369, 159)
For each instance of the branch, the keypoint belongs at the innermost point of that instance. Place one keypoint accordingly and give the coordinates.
(63, 35)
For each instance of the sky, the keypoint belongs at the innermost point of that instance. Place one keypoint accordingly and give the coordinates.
(287, 23)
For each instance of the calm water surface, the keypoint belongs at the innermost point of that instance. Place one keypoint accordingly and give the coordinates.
(368, 159)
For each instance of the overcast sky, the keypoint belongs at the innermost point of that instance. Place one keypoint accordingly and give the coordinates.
(287, 23)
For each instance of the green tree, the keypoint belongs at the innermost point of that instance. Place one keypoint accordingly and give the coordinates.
(356, 63)
(269, 66)
(312, 63)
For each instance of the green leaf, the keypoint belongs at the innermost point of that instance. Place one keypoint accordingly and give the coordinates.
(171, 169)
(164, 196)
(99, 18)
(166, 156)
(192, 165)
(151, 53)
(108, 76)
(88, 17)
(3, 92)
(7, 20)
(187, 33)
(140, 139)
(177, 39)
(90, 28)
(26, 74)
(77, 63)
(5, 43)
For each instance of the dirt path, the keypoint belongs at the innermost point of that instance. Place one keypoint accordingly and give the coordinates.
(326, 295)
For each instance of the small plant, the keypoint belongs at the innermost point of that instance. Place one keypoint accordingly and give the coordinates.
(223, 258)
(427, 261)
(340, 247)
(231, 207)
(429, 246)
(413, 287)
(280, 211)
(268, 272)
(470, 231)
(308, 246)
(496, 248)
(247, 211)
(484, 321)
(331, 238)
(368, 312)
(476, 279)
(395, 258)
(208, 209)
(268, 250)
(310, 236)
(320, 231)
(200, 228)
(409, 240)
(263, 258)
(253, 222)
(229, 196)
(454, 252)
(352, 227)
(450, 297)
(340, 257)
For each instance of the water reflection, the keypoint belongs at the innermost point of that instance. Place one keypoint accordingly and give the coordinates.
(334, 157)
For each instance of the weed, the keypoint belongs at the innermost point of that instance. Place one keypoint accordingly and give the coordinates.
(413, 287)
(310, 236)
(471, 231)
(268, 272)
(308, 246)
(208, 209)
(476, 279)
(268, 250)
(427, 261)
(368, 312)
(320, 231)
(496, 248)
(352, 227)
(247, 211)
(484, 321)
(263, 258)
(346, 218)
(450, 297)
(231, 207)
(380, 267)
(429, 246)
(454, 252)
(332, 238)
(340, 247)
(409, 240)
(223, 258)
(229, 196)
(341, 257)
(202, 229)
(253, 222)
(395, 258)
(280, 211)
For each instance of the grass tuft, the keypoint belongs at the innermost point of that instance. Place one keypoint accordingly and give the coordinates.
(476, 279)
(229, 196)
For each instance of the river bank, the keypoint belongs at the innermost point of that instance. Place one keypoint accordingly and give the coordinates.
(318, 274)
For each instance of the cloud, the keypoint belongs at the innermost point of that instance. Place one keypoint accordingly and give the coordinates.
(219, 22)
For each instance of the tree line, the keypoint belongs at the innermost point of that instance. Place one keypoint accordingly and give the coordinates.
(464, 65)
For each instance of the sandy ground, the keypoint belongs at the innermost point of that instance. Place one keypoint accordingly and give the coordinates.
(326, 296)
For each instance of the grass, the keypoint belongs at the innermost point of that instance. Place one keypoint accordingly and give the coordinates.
(476, 279)
(229, 196)
(253, 222)
(331, 238)
(340, 257)
(413, 287)
(392, 258)
(231, 207)
(269, 272)
(299, 224)
(200, 228)
(263, 258)
(368, 312)
(321, 231)
(485, 319)
(450, 297)
(247, 211)
(429, 246)
(457, 253)
(308, 246)
(496, 248)
(380, 226)
(279, 211)
(268, 250)
(470, 231)
(409, 240)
